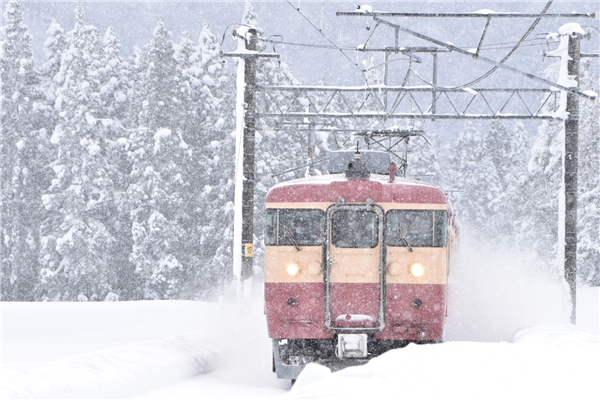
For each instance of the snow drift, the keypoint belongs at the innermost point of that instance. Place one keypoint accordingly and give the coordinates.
(546, 362)
(111, 373)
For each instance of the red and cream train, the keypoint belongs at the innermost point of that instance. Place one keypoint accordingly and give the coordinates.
(356, 263)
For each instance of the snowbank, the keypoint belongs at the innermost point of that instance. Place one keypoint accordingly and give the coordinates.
(563, 368)
(166, 349)
(115, 372)
(146, 349)
(104, 349)
(507, 337)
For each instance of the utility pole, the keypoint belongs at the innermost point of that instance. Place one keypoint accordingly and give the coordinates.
(570, 172)
(249, 146)
(243, 251)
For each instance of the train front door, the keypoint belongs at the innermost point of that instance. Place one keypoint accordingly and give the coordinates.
(354, 268)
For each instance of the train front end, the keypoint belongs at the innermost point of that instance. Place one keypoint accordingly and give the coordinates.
(355, 265)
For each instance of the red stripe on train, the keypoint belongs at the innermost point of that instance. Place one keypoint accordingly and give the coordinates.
(356, 191)
(413, 312)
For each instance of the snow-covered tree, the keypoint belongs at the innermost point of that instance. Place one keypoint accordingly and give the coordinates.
(156, 197)
(509, 153)
(158, 183)
(475, 177)
(498, 144)
(23, 154)
(537, 228)
(539, 225)
(114, 78)
(55, 44)
(208, 131)
(512, 207)
(160, 89)
(422, 159)
(77, 243)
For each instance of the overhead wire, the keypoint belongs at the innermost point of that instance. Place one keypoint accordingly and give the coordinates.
(464, 48)
(318, 46)
(511, 43)
(326, 38)
(495, 46)
(495, 68)
(491, 46)
(523, 45)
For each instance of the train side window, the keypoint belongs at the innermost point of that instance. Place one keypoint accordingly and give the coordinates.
(355, 229)
(271, 228)
(416, 228)
(294, 227)
(440, 226)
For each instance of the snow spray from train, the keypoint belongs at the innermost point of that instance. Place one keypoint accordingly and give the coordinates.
(356, 263)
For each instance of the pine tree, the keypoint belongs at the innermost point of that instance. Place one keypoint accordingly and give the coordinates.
(114, 78)
(189, 68)
(422, 159)
(537, 230)
(22, 157)
(513, 209)
(508, 153)
(539, 226)
(212, 182)
(77, 245)
(476, 179)
(158, 184)
(156, 197)
(161, 89)
(498, 144)
(55, 44)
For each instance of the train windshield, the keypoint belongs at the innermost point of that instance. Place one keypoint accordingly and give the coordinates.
(355, 229)
(416, 228)
(294, 227)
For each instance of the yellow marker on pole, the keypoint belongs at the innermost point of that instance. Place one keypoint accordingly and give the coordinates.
(249, 250)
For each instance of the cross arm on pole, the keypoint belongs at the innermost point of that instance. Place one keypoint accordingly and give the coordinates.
(250, 55)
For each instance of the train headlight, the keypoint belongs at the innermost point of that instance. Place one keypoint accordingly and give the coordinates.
(293, 269)
(417, 270)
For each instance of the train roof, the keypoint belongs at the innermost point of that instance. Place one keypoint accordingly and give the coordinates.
(330, 188)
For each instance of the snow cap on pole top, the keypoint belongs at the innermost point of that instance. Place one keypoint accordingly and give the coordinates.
(571, 28)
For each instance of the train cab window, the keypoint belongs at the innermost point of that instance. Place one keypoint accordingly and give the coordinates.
(294, 227)
(271, 228)
(355, 229)
(416, 228)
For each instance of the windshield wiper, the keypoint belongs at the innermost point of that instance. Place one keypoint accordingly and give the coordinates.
(407, 245)
(289, 235)
(401, 235)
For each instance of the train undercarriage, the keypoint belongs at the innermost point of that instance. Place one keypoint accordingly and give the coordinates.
(290, 356)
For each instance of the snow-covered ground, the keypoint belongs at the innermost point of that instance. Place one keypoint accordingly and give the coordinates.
(128, 349)
(507, 337)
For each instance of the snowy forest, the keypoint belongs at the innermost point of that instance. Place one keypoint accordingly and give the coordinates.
(117, 174)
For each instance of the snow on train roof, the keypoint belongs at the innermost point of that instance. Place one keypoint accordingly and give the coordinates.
(330, 188)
